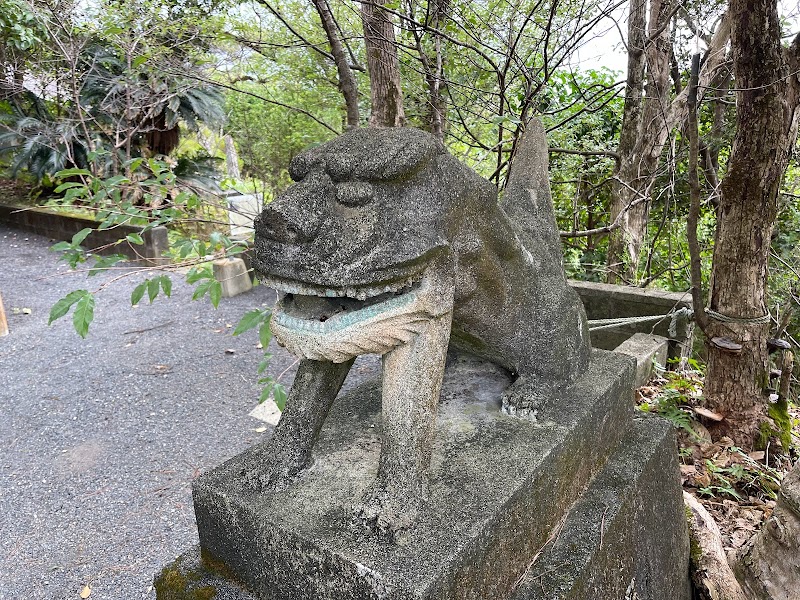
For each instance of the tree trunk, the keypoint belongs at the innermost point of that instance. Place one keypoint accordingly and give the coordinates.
(347, 81)
(636, 168)
(383, 66)
(231, 158)
(766, 130)
(648, 117)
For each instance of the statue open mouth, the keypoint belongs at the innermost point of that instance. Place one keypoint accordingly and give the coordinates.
(338, 324)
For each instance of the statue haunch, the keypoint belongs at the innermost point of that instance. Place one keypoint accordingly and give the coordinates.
(387, 244)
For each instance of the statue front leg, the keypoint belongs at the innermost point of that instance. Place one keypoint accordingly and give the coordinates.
(288, 451)
(412, 380)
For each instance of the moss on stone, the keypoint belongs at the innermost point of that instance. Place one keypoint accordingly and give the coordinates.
(778, 426)
(175, 584)
(779, 413)
(215, 565)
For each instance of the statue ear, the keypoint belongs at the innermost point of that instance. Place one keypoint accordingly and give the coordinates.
(301, 164)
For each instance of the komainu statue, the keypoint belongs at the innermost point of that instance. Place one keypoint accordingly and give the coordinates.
(387, 244)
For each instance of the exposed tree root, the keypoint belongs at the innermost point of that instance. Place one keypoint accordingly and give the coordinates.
(713, 578)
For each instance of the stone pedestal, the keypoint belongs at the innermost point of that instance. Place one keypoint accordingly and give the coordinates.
(509, 500)
(232, 275)
(648, 350)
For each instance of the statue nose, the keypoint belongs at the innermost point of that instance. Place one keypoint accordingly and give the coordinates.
(296, 216)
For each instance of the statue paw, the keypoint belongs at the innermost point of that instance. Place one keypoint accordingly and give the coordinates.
(269, 476)
(520, 399)
(387, 514)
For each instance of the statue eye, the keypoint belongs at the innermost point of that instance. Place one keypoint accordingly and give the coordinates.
(354, 193)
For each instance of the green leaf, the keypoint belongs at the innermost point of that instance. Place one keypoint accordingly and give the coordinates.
(66, 186)
(115, 181)
(135, 163)
(195, 274)
(138, 292)
(63, 174)
(279, 395)
(84, 314)
(215, 292)
(166, 285)
(265, 393)
(265, 333)
(201, 290)
(248, 321)
(62, 307)
(152, 289)
(61, 246)
(78, 238)
(134, 238)
(105, 262)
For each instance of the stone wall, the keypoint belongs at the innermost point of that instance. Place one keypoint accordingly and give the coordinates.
(606, 301)
(61, 227)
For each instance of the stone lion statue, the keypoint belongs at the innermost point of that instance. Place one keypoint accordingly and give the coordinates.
(387, 244)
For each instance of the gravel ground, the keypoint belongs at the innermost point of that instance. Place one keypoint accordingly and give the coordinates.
(101, 438)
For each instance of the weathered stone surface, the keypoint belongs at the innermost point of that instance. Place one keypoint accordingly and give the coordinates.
(232, 276)
(499, 485)
(769, 565)
(646, 349)
(388, 245)
(626, 538)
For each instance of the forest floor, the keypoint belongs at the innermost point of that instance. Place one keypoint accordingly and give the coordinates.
(738, 488)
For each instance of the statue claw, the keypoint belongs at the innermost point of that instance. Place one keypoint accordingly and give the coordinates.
(520, 399)
(389, 515)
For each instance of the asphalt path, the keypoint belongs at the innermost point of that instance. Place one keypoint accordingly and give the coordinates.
(101, 438)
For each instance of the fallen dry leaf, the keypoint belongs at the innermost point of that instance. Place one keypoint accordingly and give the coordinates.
(740, 537)
(86, 591)
(260, 429)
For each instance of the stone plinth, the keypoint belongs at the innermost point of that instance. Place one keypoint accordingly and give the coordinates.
(626, 538)
(232, 276)
(646, 349)
(499, 486)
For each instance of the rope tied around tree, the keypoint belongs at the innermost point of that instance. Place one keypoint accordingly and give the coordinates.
(717, 316)
(675, 316)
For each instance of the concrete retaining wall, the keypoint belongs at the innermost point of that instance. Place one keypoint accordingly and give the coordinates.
(606, 301)
(61, 227)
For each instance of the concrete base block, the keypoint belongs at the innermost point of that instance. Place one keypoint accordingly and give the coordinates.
(626, 538)
(232, 274)
(646, 349)
(499, 486)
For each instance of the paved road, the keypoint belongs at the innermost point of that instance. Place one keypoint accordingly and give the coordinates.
(101, 438)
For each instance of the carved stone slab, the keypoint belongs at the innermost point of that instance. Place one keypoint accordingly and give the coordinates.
(499, 485)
